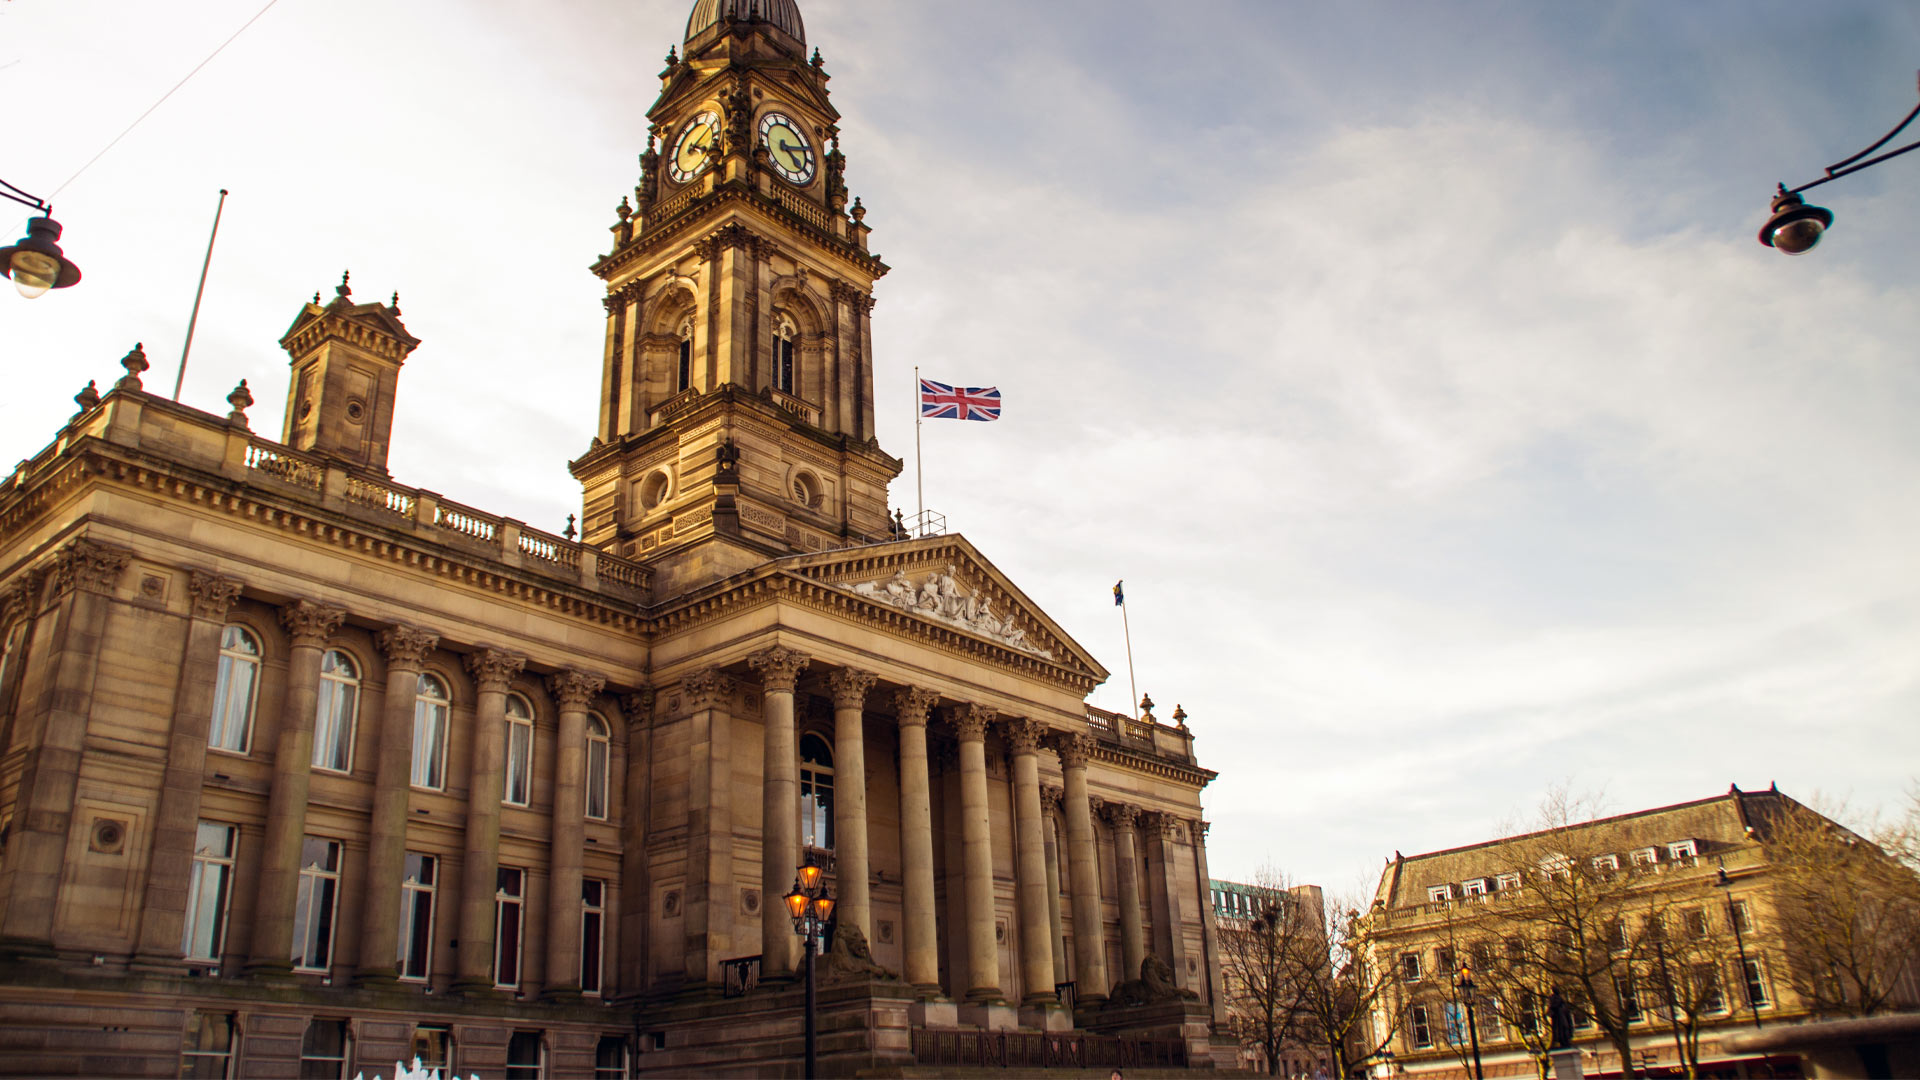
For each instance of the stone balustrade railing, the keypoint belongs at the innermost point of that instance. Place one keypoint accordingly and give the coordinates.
(1149, 735)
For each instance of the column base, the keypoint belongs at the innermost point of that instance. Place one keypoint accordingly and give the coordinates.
(143, 964)
(271, 971)
(990, 1016)
(933, 1012)
(1045, 1016)
(561, 995)
(477, 990)
(378, 978)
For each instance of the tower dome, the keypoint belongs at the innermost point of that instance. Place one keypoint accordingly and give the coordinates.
(783, 15)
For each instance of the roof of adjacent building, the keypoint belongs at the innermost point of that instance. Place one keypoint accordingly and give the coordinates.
(784, 15)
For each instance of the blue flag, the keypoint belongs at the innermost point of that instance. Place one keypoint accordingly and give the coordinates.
(1119, 598)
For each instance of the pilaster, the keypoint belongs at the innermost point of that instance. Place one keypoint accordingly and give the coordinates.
(709, 900)
(493, 671)
(574, 691)
(779, 669)
(406, 650)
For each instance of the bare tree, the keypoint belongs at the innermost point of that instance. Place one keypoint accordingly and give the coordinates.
(1688, 977)
(1340, 991)
(1256, 959)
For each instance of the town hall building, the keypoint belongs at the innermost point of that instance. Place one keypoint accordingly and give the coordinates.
(304, 770)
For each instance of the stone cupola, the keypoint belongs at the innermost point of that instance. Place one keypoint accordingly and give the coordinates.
(346, 361)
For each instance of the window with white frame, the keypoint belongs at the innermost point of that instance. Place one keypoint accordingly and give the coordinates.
(1629, 998)
(1439, 894)
(325, 1050)
(593, 932)
(1419, 1026)
(526, 1057)
(519, 782)
(1704, 983)
(1753, 978)
(509, 905)
(1694, 922)
(1487, 1014)
(1683, 850)
(1509, 880)
(314, 906)
(785, 335)
(415, 955)
(339, 705)
(684, 378)
(433, 1045)
(1557, 868)
(430, 704)
(208, 890)
(1606, 864)
(235, 687)
(1646, 856)
(610, 1058)
(207, 1052)
(1411, 969)
(816, 792)
(599, 760)
(1474, 887)
(1443, 962)
(1740, 915)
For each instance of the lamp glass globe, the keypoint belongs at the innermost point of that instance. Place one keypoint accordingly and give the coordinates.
(33, 273)
(1797, 237)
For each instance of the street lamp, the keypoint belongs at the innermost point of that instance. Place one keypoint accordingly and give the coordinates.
(1722, 881)
(811, 905)
(35, 263)
(1796, 227)
(1473, 1028)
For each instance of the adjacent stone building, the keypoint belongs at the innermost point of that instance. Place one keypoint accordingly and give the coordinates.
(304, 769)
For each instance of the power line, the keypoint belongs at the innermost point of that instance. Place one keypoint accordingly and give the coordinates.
(162, 101)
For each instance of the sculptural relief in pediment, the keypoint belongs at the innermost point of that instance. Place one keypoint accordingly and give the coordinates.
(943, 597)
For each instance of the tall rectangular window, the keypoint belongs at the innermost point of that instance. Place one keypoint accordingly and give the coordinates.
(313, 907)
(433, 1045)
(1410, 967)
(1420, 1026)
(1706, 988)
(509, 902)
(1755, 981)
(430, 734)
(1741, 916)
(610, 1058)
(416, 917)
(519, 779)
(207, 892)
(1623, 989)
(593, 914)
(325, 1050)
(235, 685)
(338, 705)
(207, 1053)
(524, 1056)
(599, 755)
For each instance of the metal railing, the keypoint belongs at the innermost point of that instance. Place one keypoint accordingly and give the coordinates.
(1043, 1050)
(739, 976)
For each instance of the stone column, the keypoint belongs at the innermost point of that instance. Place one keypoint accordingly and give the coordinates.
(1126, 857)
(1036, 954)
(920, 935)
(56, 698)
(1083, 862)
(779, 669)
(636, 876)
(1209, 927)
(1050, 836)
(406, 650)
(851, 859)
(492, 671)
(163, 907)
(976, 829)
(574, 690)
(709, 900)
(1169, 918)
(309, 625)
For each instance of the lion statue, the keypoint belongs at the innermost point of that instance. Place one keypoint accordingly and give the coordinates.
(1154, 985)
(850, 959)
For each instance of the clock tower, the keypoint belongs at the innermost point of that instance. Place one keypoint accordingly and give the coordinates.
(736, 406)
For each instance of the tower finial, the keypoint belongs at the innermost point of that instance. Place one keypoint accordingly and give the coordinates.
(817, 62)
(342, 289)
(135, 362)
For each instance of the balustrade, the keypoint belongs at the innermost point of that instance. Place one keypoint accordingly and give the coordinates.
(282, 465)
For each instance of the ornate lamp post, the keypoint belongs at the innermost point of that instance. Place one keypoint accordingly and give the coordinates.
(1473, 1027)
(35, 262)
(1796, 227)
(1722, 881)
(811, 905)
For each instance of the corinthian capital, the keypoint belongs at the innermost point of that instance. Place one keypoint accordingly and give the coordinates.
(311, 624)
(493, 669)
(970, 722)
(89, 566)
(639, 707)
(1051, 798)
(574, 690)
(706, 688)
(1074, 749)
(779, 668)
(850, 688)
(1120, 815)
(213, 595)
(405, 648)
(1025, 736)
(911, 703)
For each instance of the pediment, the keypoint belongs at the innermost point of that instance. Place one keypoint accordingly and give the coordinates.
(946, 581)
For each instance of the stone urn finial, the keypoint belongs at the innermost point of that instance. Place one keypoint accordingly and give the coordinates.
(135, 362)
(241, 399)
(1146, 707)
(343, 290)
(859, 212)
(87, 398)
(1180, 717)
(569, 532)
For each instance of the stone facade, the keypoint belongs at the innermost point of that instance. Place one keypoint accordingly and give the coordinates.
(301, 767)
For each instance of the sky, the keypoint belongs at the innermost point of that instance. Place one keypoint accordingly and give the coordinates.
(1415, 364)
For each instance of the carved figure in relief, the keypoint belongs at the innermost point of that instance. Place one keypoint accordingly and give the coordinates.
(942, 596)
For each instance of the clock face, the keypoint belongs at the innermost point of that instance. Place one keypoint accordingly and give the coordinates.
(693, 151)
(791, 154)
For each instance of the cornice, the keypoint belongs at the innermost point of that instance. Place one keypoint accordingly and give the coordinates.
(1191, 775)
(696, 211)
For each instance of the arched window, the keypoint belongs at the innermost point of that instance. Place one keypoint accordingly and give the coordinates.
(519, 786)
(784, 336)
(597, 758)
(334, 719)
(816, 792)
(234, 690)
(430, 733)
(685, 379)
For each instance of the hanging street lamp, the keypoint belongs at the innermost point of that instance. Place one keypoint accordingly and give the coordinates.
(35, 262)
(1796, 227)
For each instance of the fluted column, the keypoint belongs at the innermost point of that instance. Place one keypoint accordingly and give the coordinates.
(1126, 856)
(1169, 920)
(779, 669)
(574, 691)
(1083, 860)
(1030, 854)
(163, 907)
(709, 903)
(851, 858)
(309, 625)
(976, 844)
(921, 937)
(636, 877)
(1050, 836)
(406, 650)
(493, 670)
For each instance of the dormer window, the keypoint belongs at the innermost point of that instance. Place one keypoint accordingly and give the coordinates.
(1439, 894)
(1606, 864)
(1683, 850)
(1506, 881)
(1474, 887)
(1646, 856)
(785, 333)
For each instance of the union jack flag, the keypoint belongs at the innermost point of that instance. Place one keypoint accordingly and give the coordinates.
(938, 401)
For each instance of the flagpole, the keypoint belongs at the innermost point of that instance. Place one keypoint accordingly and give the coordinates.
(198, 293)
(1133, 688)
(919, 477)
